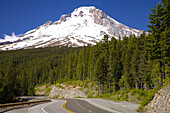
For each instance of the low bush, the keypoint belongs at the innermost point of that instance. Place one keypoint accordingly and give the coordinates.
(55, 97)
(59, 86)
(147, 97)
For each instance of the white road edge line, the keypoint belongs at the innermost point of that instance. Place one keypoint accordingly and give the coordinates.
(43, 109)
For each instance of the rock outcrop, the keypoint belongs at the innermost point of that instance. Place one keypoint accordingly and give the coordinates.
(161, 102)
(98, 15)
(66, 92)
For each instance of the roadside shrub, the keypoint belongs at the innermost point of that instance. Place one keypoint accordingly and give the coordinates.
(80, 88)
(126, 96)
(47, 85)
(133, 91)
(90, 96)
(79, 97)
(87, 92)
(55, 97)
(140, 92)
(48, 90)
(59, 86)
(148, 96)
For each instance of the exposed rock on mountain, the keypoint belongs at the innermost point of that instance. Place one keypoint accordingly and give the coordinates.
(85, 25)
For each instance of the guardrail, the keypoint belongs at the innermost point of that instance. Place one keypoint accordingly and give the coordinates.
(9, 106)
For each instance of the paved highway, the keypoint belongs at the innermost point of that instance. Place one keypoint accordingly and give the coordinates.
(79, 106)
(61, 106)
(54, 107)
(51, 107)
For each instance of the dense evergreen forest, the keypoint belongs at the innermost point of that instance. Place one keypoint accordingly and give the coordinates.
(130, 63)
(21, 70)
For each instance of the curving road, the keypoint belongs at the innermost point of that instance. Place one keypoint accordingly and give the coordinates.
(54, 107)
(79, 106)
(51, 107)
(72, 106)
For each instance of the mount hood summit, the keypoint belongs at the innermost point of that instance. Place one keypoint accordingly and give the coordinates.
(85, 25)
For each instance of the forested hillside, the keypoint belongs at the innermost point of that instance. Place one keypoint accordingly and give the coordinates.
(21, 70)
(131, 63)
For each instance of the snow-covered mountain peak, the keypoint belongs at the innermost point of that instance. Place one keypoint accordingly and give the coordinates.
(77, 13)
(83, 10)
(85, 25)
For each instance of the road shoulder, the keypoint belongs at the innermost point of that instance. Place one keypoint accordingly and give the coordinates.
(113, 106)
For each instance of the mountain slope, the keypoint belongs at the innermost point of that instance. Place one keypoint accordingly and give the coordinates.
(85, 25)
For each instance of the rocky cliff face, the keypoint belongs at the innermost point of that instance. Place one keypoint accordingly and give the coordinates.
(85, 25)
(161, 102)
(66, 92)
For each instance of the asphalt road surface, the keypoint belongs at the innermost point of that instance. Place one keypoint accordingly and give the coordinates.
(78, 106)
(81, 106)
(51, 107)
(54, 107)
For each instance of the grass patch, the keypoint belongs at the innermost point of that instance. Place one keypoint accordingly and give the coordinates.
(41, 90)
(79, 97)
(59, 86)
(147, 97)
(80, 88)
(48, 90)
(90, 96)
(55, 97)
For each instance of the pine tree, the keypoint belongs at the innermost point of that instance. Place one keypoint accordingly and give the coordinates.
(101, 72)
(24, 84)
(2, 93)
(126, 78)
(117, 65)
(31, 84)
(112, 63)
(159, 29)
(9, 81)
(75, 65)
(51, 76)
(70, 63)
(165, 36)
(134, 64)
(80, 66)
(91, 64)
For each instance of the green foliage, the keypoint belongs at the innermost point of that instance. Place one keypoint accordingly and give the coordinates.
(147, 97)
(22, 70)
(80, 88)
(42, 90)
(59, 86)
(79, 97)
(48, 91)
(55, 97)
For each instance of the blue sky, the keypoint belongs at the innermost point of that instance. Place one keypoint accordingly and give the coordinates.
(19, 16)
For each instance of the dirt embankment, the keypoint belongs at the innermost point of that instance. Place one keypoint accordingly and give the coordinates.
(161, 102)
